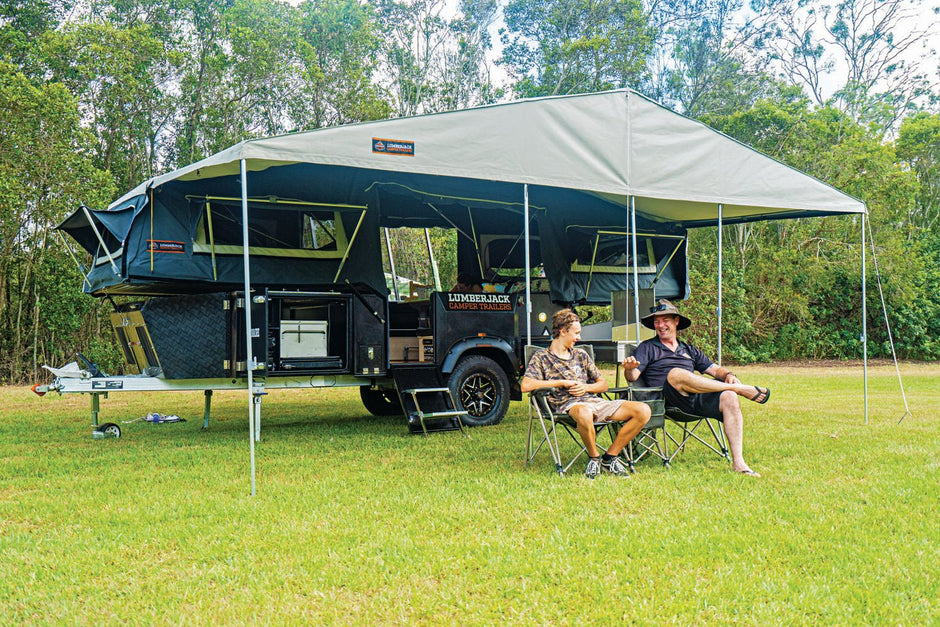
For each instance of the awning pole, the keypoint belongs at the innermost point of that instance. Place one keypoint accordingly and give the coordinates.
(718, 309)
(864, 321)
(636, 270)
(249, 357)
(391, 264)
(528, 271)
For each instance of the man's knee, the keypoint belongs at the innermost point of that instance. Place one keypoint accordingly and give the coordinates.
(643, 412)
(582, 415)
(728, 401)
(677, 376)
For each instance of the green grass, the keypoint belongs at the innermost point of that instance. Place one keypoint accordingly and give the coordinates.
(357, 521)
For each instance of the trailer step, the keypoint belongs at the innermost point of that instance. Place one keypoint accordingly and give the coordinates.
(450, 408)
(428, 404)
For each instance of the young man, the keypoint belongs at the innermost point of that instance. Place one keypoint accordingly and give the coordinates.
(576, 383)
(665, 360)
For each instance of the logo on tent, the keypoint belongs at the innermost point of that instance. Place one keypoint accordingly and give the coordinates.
(393, 146)
(164, 246)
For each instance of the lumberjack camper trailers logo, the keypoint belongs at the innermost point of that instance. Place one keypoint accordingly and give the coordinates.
(393, 146)
(478, 302)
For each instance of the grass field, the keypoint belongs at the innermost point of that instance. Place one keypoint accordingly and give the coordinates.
(355, 521)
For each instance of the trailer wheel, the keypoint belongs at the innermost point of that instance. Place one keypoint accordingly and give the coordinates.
(480, 387)
(109, 429)
(381, 402)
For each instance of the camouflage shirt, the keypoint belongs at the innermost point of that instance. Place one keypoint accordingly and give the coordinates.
(546, 366)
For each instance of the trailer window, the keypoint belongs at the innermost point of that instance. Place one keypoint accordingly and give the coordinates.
(272, 231)
(610, 253)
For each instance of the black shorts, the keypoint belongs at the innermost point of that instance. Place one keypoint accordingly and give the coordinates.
(705, 404)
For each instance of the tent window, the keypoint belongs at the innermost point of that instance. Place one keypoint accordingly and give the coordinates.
(272, 231)
(101, 258)
(605, 252)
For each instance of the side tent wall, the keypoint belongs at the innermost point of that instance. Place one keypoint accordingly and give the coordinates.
(162, 249)
(576, 247)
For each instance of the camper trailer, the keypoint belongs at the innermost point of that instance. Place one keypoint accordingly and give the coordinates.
(320, 310)
(261, 266)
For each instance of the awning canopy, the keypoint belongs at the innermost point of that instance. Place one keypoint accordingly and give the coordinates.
(612, 144)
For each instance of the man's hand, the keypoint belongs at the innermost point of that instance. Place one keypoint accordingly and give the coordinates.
(576, 388)
(630, 363)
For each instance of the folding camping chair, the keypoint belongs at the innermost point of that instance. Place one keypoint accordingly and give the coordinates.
(651, 442)
(540, 412)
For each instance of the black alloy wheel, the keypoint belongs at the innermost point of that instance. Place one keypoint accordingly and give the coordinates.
(481, 387)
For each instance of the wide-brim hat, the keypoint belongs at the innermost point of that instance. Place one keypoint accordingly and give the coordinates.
(665, 308)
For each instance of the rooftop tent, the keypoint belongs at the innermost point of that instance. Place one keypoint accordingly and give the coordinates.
(584, 159)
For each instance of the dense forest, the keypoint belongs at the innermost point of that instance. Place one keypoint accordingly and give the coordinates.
(96, 96)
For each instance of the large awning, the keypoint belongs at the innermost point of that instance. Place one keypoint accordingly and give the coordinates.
(615, 145)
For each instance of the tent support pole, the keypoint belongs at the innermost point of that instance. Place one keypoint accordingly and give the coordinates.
(437, 276)
(720, 260)
(864, 322)
(215, 272)
(528, 266)
(249, 358)
(476, 246)
(636, 270)
(391, 264)
(81, 268)
(107, 252)
(342, 263)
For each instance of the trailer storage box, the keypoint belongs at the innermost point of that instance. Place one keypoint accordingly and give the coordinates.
(303, 339)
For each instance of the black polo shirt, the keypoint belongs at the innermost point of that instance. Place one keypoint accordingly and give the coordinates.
(656, 360)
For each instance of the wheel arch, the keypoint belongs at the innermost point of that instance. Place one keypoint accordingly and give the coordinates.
(499, 350)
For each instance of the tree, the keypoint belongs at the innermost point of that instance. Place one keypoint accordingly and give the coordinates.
(343, 46)
(918, 145)
(122, 78)
(700, 63)
(575, 46)
(45, 171)
(435, 62)
(864, 49)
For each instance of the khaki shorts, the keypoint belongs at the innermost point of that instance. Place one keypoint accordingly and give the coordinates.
(604, 410)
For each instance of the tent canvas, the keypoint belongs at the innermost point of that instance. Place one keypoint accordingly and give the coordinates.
(585, 160)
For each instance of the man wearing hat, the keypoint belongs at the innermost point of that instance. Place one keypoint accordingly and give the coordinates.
(668, 362)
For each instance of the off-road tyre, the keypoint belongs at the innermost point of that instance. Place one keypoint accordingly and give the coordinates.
(481, 388)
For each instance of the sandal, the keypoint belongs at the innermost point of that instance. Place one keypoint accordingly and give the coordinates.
(765, 392)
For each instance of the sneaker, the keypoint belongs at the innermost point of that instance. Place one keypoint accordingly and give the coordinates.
(615, 467)
(593, 468)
